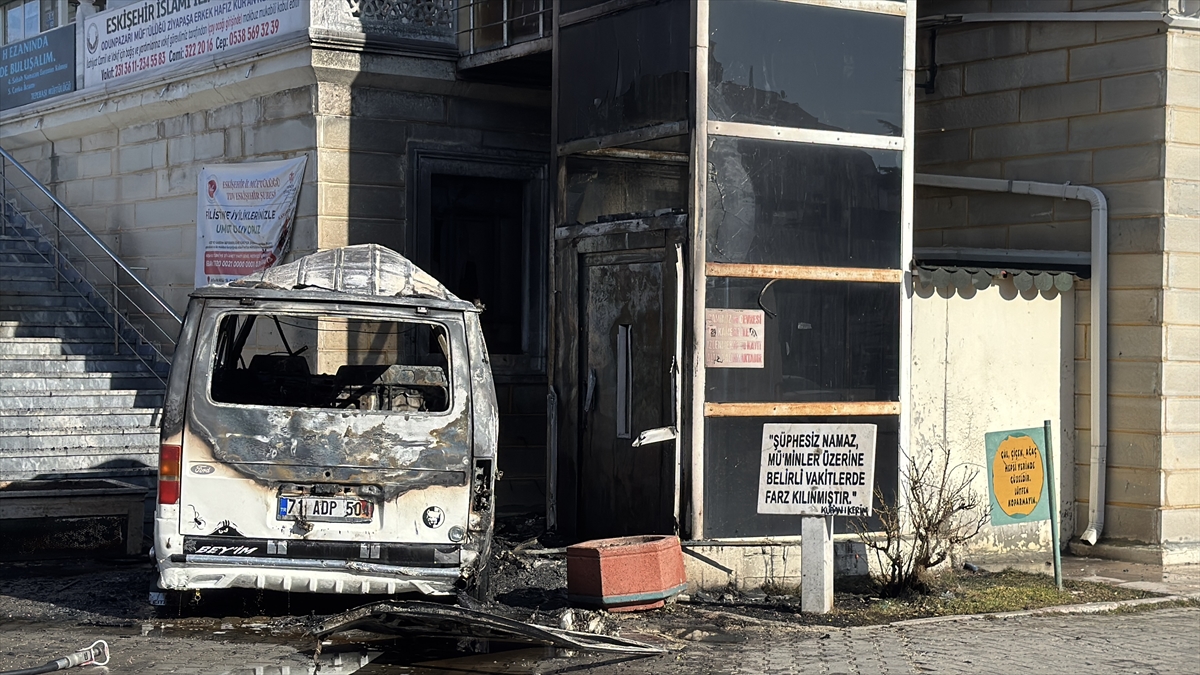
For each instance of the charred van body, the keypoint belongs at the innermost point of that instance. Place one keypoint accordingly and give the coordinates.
(330, 427)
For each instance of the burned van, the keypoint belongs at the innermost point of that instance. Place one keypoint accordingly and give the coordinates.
(330, 427)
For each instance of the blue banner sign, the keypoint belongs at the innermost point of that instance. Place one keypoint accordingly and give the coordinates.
(38, 68)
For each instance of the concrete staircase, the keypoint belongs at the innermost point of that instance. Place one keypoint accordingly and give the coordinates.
(74, 400)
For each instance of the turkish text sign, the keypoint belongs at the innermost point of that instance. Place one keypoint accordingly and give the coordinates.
(817, 469)
(733, 338)
(38, 68)
(244, 217)
(1016, 464)
(150, 34)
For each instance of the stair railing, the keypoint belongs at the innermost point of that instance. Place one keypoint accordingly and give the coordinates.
(148, 328)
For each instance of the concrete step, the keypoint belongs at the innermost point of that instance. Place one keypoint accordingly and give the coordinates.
(52, 316)
(103, 437)
(30, 285)
(54, 346)
(72, 462)
(70, 364)
(83, 398)
(38, 269)
(30, 256)
(47, 298)
(10, 242)
(79, 418)
(35, 384)
(20, 329)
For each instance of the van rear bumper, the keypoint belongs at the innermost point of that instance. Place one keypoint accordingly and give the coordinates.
(312, 576)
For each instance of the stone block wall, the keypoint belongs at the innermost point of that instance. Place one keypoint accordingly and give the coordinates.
(134, 184)
(369, 117)
(1112, 105)
(1181, 295)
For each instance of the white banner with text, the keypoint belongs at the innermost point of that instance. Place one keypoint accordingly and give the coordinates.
(245, 215)
(151, 34)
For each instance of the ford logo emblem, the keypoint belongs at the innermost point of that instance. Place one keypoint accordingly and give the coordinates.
(202, 469)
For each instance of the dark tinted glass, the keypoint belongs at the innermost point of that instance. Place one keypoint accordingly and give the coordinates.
(476, 250)
(733, 450)
(824, 341)
(799, 204)
(786, 64)
(624, 71)
(568, 6)
(599, 188)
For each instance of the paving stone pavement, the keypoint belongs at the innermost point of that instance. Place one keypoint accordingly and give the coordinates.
(1156, 641)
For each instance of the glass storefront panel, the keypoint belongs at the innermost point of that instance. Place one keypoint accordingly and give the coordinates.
(624, 71)
(772, 202)
(733, 452)
(830, 341)
(786, 64)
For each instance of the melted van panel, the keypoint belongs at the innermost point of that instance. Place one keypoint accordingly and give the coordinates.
(279, 444)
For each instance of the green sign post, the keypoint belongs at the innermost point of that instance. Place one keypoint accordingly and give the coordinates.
(1021, 482)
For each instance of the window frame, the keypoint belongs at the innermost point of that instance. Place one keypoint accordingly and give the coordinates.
(701, 409)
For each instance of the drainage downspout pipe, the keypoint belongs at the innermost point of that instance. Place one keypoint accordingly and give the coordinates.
(1098, 347)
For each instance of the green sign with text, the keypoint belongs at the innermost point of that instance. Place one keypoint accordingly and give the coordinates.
(1018, 479)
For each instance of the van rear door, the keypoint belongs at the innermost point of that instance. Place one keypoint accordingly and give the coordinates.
(325, 423)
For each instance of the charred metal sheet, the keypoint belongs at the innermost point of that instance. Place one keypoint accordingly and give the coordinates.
(427, 618)
(366, 269)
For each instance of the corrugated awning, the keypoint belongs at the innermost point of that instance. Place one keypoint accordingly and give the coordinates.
(965, 268)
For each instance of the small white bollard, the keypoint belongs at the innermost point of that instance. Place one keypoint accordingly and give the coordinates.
(816, 564)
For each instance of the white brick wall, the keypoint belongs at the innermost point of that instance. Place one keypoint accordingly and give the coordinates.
(1117, 106)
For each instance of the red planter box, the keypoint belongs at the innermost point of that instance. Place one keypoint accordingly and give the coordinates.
(626, 573)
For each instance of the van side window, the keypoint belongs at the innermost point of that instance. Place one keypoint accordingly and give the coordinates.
(308, 361)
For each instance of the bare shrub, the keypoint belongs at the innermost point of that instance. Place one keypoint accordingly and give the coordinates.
(936, 512)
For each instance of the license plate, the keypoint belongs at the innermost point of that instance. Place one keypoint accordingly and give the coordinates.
(325, 509)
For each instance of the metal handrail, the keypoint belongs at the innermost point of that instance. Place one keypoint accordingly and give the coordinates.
(62, 265)
(92, 235)
(471, 28)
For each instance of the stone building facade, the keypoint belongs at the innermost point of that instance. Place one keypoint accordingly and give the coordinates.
(1110, 103)
(385, 97)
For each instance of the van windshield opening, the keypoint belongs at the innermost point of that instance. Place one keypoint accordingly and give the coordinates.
(311, 361)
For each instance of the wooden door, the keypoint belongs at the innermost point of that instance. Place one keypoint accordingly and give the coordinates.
(625, 362)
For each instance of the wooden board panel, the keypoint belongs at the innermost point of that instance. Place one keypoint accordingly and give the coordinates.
(859, 274)
(801, 409)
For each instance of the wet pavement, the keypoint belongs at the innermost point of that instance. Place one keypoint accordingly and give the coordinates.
(48, 611)
(1161, 641)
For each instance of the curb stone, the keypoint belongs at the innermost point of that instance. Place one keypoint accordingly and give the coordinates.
(1085, 608)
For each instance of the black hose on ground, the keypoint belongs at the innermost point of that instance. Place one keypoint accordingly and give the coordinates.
(97, 655)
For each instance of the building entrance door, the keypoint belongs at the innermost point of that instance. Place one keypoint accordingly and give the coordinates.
(625, 384)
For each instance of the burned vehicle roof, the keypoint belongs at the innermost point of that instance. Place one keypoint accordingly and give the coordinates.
(361, 273)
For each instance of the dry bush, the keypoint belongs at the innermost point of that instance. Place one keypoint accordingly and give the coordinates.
(936, 513)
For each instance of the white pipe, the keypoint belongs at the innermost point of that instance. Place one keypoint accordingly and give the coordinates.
(1170, 19)
(1098, 352)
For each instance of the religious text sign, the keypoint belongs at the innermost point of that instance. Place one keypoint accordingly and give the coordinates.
(817, 469)
(38, 68)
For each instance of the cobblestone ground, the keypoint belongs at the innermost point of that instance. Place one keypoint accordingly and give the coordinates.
(1158, 641)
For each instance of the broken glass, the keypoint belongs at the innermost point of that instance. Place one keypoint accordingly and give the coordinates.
(604, 188)
(349, 363)
(799, 204)
(821, 341)
(624, 71)
(733, 452)
(787, 64)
